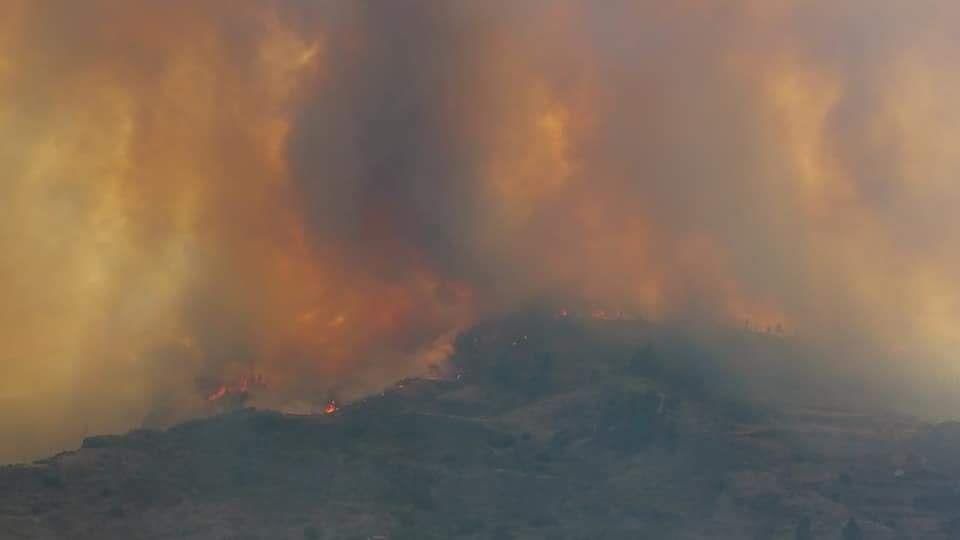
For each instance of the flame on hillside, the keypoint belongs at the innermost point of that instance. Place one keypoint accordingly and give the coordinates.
(242, 387)
(331, 407)
(330, 191)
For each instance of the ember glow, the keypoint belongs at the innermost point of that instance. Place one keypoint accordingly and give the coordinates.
(244, 386)
(328, 192)
(330, 407)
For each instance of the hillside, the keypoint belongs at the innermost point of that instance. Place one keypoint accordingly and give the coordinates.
(547, 428)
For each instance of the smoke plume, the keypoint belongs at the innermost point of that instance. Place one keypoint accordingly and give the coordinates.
(326, 192)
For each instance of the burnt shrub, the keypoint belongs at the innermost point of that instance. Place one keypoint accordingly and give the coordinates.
(469, 526)
(629, 421)
(645, 362)
(52, 479)
(409, 486)
(561, 439)
(951, 528)
(803, 529)
(526, 373)
(501, 440)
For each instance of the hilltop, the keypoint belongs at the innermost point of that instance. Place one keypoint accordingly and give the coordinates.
(546, 428)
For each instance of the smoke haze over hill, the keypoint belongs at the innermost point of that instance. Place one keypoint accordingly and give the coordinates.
(326, 193)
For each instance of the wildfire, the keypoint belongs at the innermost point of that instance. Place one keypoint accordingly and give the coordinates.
(600, 314)
(218, 393)
(294, 195)
(244, 385)
(331, 407)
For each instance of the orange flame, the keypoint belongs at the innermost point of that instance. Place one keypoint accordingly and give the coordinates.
(218, 393)
(331, 407)
(243, 385)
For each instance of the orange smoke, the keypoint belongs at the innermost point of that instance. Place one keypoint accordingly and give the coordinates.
(326, 193)
(155, 235)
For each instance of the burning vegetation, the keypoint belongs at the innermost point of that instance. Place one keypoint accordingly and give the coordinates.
(241, 388)
(331, 407)
(334, 191)
(650, 439)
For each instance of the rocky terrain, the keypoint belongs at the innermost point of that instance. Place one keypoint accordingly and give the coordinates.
(548, 428)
